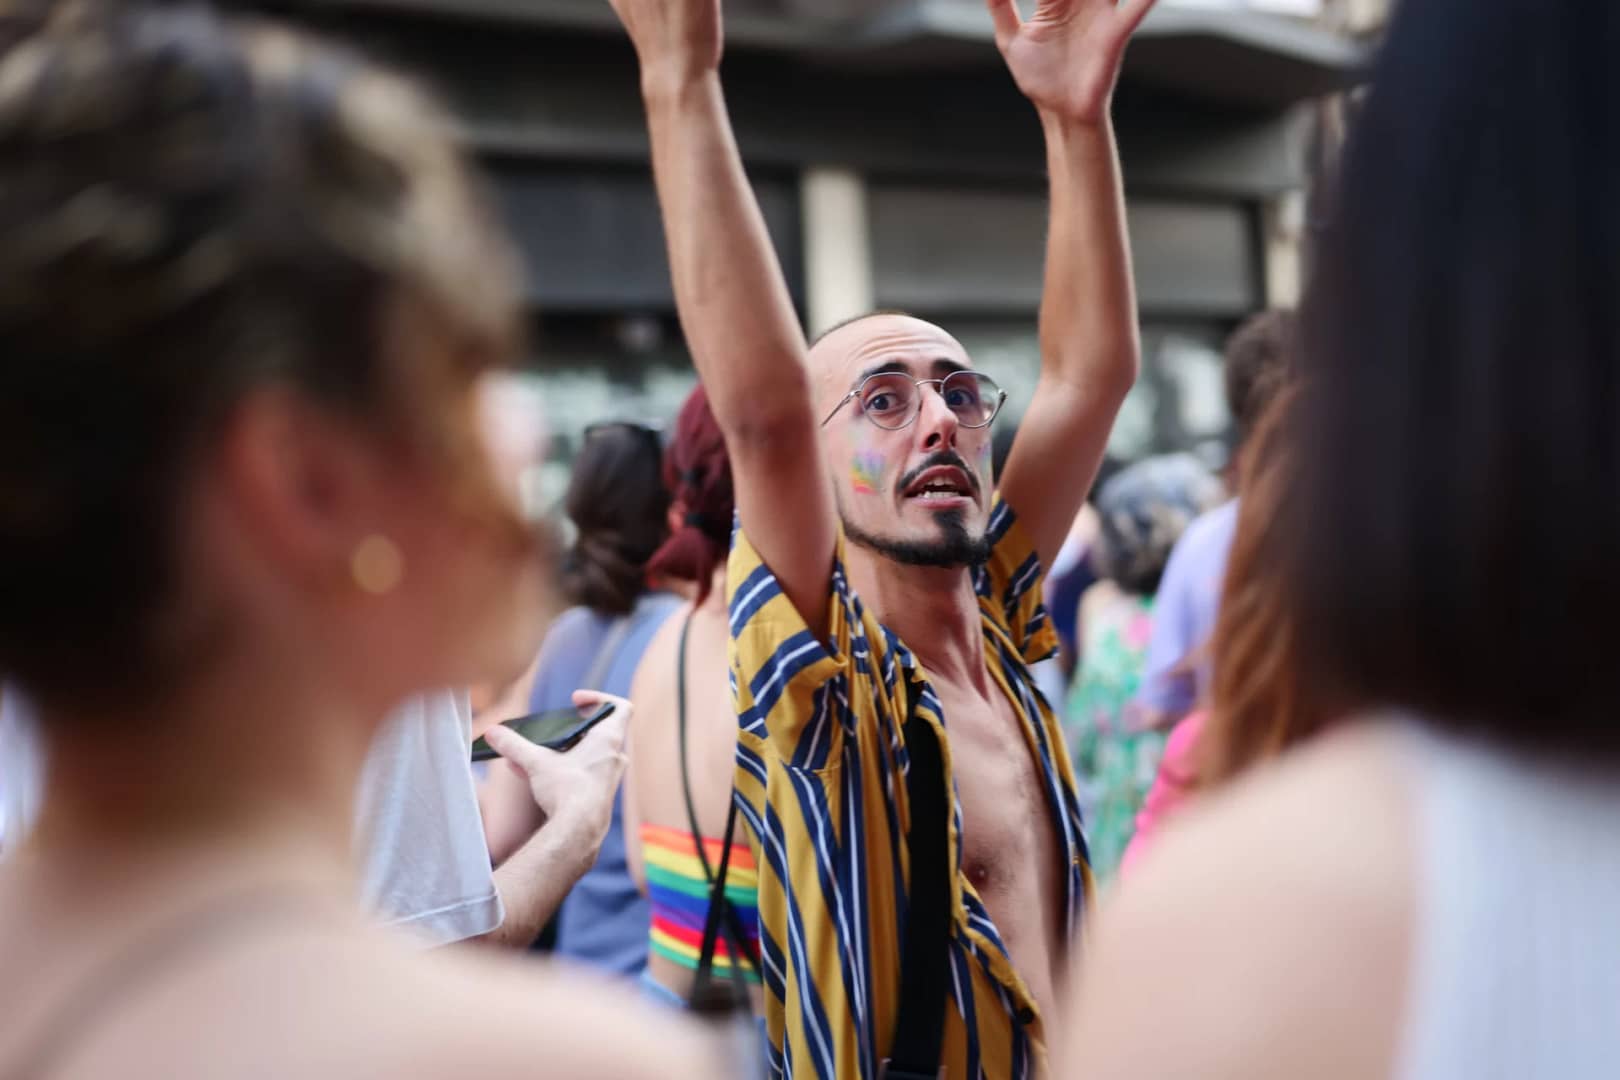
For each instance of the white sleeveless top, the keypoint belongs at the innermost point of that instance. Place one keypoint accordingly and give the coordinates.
(1517, 947)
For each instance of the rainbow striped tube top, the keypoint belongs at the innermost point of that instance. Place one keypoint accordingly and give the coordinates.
(680, 897)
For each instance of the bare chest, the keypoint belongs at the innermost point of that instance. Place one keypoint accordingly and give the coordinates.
(1010, 846)
(1010, 850)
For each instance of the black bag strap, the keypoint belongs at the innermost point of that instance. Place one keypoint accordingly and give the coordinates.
(722, 916)
(919, 1029)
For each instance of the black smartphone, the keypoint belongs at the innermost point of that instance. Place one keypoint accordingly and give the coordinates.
(558, 729)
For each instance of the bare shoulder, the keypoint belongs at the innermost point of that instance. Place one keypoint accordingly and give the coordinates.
(657, 667)
(1267, 934)
(520, 1018)
(360, 1007)
(653, 686)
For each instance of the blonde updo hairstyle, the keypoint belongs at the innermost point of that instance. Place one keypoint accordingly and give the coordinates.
(193, 208)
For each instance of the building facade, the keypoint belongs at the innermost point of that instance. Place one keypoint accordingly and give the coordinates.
(897, 166)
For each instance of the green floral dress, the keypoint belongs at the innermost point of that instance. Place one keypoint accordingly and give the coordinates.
(1114, 763)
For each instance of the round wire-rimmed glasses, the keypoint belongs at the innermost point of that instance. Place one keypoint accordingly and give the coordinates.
(892, 400)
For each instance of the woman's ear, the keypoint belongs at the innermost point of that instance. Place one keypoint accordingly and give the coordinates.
(677, 516)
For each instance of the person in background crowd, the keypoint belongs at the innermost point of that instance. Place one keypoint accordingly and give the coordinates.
(418, 836)
(1074, 571)
(1142, 511)
(1177, 676)
(683, 750)
(247, 288)
(21, 772)
(619, 507)
(1427, 889)
(1070, 575)
(885, 599)
(1259, 704)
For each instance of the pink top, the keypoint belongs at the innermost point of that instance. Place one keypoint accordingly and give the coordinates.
(1171, 786)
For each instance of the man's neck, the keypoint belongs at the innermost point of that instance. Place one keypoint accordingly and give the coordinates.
(934, 611)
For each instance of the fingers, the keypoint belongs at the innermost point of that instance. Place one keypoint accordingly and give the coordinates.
(590, 699)
(522, 753)
(1004, 13)
(618, 724)
(612, 733)
(1131, 14)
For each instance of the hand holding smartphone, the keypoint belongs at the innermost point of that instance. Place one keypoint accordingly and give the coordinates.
(556, 729)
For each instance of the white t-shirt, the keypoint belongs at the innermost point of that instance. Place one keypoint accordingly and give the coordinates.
(424, 862)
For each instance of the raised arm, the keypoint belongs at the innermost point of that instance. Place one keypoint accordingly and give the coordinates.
(1065, 58)
(734, 304)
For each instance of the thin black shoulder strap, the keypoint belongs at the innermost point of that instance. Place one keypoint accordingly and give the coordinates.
(722, 917)
(919, 1029)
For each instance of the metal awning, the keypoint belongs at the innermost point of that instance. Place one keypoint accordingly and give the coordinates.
(1220, 56)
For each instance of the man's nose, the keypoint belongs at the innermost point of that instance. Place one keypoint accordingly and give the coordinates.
(936, 420)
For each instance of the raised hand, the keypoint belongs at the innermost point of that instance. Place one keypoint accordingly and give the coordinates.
(676, 40)
(1066, 57)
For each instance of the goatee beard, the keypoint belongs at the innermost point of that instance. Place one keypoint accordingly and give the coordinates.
(955, 548)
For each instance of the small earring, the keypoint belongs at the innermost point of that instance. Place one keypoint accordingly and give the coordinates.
(378, 565)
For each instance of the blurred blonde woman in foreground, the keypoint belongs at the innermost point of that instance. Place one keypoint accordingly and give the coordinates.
(247, 288)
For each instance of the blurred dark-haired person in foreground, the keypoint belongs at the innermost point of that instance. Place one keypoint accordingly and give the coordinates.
(247, 288)
(1427, 889)
(619, 507)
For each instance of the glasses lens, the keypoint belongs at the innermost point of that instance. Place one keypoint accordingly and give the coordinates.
(974, 398)
(889, 401)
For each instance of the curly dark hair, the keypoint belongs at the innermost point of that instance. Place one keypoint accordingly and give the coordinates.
(620, 507)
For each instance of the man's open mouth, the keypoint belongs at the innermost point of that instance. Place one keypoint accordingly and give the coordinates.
(941, 482)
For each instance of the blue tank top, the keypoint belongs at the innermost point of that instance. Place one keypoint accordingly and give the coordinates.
(604, 921)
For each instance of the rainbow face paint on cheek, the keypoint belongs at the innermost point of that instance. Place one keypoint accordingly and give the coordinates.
(866, 472)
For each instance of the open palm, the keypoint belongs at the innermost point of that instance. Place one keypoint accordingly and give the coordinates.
(1066, 56)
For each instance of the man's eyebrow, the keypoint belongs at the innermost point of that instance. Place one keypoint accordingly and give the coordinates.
(941, 368)
(891, 367)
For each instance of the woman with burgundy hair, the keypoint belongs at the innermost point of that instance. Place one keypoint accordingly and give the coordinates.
(683, 748)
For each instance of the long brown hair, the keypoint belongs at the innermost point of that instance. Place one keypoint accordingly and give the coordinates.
(1261, 703)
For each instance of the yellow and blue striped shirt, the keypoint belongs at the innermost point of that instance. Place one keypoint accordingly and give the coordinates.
(821, 762)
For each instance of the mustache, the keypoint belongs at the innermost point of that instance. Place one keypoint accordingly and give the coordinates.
(949, 458)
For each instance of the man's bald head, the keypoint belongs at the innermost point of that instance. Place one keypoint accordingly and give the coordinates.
(840, 353)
